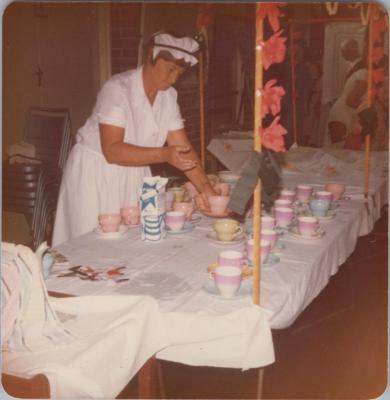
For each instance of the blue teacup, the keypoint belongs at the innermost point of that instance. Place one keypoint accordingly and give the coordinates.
(319, 207)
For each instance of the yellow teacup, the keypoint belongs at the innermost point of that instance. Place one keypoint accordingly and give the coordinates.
(179, 193)
(227, 229)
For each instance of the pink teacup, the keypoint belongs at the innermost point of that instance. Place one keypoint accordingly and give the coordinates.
(222, 188)
(324, 195)
(282, 203)
(265, 248)
(287, 194)
(307, 226)
(109, 222)
(270, 235)
(337, 190)
(304, 192)
(267, 222)
(218, 204)
(175, 220)
(231, 257)
(130, 215)
(283, 216)
(186, 207)
(227, 278)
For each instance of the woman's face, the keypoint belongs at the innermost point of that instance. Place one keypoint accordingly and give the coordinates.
(166, 73)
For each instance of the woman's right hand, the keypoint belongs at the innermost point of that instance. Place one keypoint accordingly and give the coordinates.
(175, 157)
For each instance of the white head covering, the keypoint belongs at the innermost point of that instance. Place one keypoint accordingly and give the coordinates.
(180, 48)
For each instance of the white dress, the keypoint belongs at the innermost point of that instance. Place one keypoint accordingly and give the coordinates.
(340, 111)
(90, 186)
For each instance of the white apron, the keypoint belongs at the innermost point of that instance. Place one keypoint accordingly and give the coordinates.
(90, 186)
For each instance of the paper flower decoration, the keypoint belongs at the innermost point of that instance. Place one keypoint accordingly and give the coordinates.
(378, 27)
(273, 49)
(271, 98)
(378, 75)
(272, 136)
(205, 17)
(377, 54)
(270, 10)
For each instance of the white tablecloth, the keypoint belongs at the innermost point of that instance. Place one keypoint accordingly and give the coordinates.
(174, 271)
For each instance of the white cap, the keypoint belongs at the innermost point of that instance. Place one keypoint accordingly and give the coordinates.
(180, 48)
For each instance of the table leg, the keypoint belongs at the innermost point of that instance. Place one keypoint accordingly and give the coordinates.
(147, 380)
(260, 375)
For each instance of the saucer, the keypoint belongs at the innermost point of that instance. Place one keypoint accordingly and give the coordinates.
(318, 235)
(329, 215)
(188, 227)
(209, 214)
(111, 235)
(195, 218)
(272, 259)
(212, 236)
(210, 288)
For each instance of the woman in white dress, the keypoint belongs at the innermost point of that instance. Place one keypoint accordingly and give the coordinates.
(135, 115)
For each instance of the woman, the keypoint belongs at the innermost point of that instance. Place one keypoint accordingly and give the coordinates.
(136, 113)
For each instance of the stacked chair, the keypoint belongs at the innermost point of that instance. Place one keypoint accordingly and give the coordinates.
(31, 187)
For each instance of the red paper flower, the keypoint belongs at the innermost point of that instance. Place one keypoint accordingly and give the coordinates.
(272, 136)
(271, 98)
(378, 75)
(274, 49)
(205, 17)
(378, 27)
(270, 10)
(377, 54)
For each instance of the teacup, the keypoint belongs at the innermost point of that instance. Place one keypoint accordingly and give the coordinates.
(270, 235)
(179, 193)
(186, 207)
(169, 200)
(228, 176)
(191, 189)
(175, 220)
(283, 216)
(222, 189)
(265, 248)
(303, 192)
(231, 257)
(109, 222)
(319, 207)
(130, 215)
(282, 203)
(307, 226)
(267, 222)
(227, 229)
(218, 204)
(324, 195)
(337, 190)
(227, 279)
(287, 194)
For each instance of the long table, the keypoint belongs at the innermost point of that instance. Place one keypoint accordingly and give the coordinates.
(174, 271)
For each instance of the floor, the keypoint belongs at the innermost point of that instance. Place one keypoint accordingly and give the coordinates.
(336, 349)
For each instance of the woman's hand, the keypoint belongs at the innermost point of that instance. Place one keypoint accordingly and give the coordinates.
(175, 157)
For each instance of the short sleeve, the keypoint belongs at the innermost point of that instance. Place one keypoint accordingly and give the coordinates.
(176, 120)
(110, 106)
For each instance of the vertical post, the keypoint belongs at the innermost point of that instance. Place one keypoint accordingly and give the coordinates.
(293, 87)
(257, 147)
(367, 143)
(201, 104)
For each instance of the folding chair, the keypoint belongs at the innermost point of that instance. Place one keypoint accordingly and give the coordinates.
(48, 129)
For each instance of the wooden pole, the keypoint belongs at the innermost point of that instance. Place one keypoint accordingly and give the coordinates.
(293, 87)
(367, 142)
(201, 105)
(257, 147)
